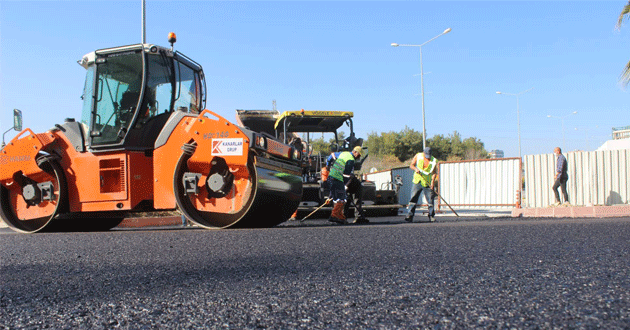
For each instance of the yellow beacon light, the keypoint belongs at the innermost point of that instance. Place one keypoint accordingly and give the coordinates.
(172, 38)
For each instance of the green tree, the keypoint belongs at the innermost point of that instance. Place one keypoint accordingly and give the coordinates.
(454, 148)
(474, 149)
(457, 147)
(405, 144)
(624, 78)
(409, 144)
(374, 143)
(322, 145)
(440, 146)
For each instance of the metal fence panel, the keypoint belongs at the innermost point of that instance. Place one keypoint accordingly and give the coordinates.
(481, 183)
(595, 178)
(404, 194)
(380, 179)
(538, 173)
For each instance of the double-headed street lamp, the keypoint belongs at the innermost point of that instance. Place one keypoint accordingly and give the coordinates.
(424, 128)
(585, 130)
(518, 123)
(518, 117)
(564, 142)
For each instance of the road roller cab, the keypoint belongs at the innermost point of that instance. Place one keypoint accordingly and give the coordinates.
(143, 144)
(131, 91)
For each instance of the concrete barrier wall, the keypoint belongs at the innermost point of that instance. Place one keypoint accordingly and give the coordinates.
(595, 178)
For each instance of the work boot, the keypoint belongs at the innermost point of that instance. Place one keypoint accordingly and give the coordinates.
(337, 215)
(337, 211)
(360, 220)
(431, 218)
(409, 218)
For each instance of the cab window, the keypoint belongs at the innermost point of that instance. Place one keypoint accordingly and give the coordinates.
(88, 96)
(118, 85)
(188, 95)
(159, 92)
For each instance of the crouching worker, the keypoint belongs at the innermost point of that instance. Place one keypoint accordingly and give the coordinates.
(341, 167)
(423, 165)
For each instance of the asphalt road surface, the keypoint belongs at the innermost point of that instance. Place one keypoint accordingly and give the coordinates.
(498, 273)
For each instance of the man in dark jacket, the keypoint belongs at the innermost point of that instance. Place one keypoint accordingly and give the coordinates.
(561, 177)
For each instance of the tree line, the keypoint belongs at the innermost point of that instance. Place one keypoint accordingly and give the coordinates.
(405, 144)
(408, 142)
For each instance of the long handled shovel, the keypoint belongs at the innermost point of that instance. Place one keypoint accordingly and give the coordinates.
(317, 209)
(445, 202)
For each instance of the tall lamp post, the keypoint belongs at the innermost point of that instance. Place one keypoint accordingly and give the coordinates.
(586, 136)
(562, 118)
(424, 128)
(518, 117)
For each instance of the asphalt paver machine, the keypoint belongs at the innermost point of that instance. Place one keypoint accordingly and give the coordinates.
(145, 143)
(297, 128)
(292, 124)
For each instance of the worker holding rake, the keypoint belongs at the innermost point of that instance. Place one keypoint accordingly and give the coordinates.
(423, 165)
(341, 173)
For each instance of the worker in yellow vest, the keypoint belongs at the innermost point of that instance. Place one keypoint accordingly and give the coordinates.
(340, 174)
(423, 165)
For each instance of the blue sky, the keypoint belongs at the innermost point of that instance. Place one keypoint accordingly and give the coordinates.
(337, 56)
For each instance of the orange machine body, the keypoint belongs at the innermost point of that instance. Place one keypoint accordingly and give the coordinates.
(143, 145)
(134, 181)
(120, 180)
(207, 130)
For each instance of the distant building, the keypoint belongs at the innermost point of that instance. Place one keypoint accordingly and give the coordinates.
(620, 139)
(496, 154)
(619, 133)
(615, 145)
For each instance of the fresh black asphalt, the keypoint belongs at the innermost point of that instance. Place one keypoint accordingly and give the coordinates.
(495, 273)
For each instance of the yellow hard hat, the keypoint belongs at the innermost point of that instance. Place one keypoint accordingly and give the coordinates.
(359, 150)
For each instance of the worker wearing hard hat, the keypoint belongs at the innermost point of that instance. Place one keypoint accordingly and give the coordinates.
(340, 168)
(423, 165)
(354, 190)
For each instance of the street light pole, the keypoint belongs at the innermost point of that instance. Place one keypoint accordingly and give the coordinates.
(585, 137)
(562, 118)
(586, 130)
(424, 127)
(518, 117)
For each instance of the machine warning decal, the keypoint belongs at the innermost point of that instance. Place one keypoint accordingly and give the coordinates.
(227, 147)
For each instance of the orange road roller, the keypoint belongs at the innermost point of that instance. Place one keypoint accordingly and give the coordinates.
(144, 144)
